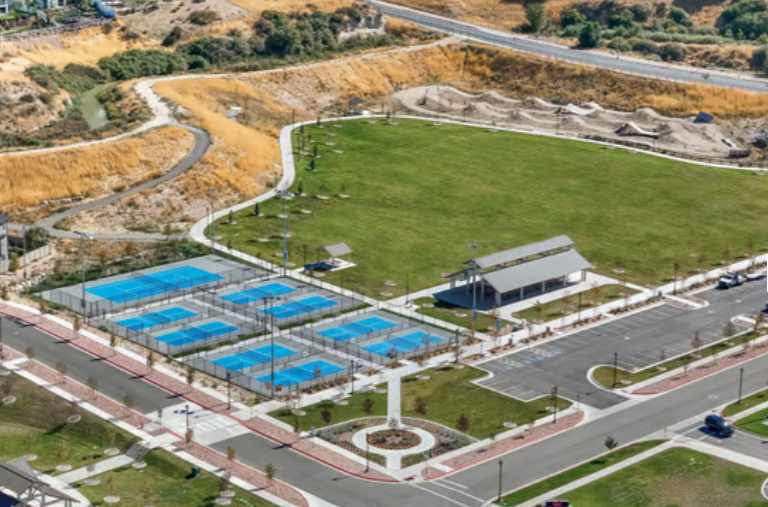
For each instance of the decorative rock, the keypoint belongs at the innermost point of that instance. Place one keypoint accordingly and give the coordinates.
(280, 216)
(618, 271)
(390, 283)
(111, 499)
(323, 197)
(342, 402)
(661, 368)
(330, 134)
(330, 144)
(344, 196)
(422, 376)
(339, 152)
(626, 382)
(380, 390)
(428, 305)
(284, 235)
(460, 315)
(319, 274)
(386, 294)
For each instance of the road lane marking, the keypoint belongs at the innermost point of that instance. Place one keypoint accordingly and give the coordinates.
(440, 496)
(454, 483)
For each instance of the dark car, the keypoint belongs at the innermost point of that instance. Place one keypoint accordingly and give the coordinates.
(319, 266)
(718, 424)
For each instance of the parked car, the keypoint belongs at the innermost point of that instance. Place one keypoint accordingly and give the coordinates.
(319, 266)
(718, 424)
(729, 280)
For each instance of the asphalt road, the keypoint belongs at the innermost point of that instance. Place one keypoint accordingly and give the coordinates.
(638, 340)
(595, 59)
(113, 382)
(626, 422)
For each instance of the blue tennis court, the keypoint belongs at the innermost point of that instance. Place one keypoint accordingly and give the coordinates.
(295, 308)
(302, 373)
(253, 357)
(258, 293)
(355, 329)
(161, 282)
(196, 334)
(401, 344)
(150, 320)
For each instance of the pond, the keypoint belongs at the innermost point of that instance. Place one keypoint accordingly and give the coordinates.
(93, 111)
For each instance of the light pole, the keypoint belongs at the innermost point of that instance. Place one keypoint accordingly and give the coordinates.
(367, 456)
(285, 195)
(615, 367)
(229, 390)
(186, 412)
(473, 246)
(501, 469)
(24, 243)
(210, 193)
(83, 237)
(554, 403)
(741, 382)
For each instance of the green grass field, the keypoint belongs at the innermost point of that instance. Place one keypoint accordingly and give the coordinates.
(448, 312)
(559, 480)
(604, 375)
(675, 477)
(419, 194)
(37, 424)
(748, 402)
(163, 483)
(448, 394)
(754, 423)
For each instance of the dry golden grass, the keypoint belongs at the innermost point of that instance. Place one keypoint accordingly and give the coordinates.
(507, 15)
(25, 180)
(289, 5)
(85, 47)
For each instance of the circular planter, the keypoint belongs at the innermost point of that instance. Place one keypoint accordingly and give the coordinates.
(29, 457)
(510, 425)
(223, 501)
(4, 372)
(264, 240)
(112, 451)
(228, 493)
(63, 468)
(306, 211)
(92, 482)
(393, 439)
(8, 400)
(386, 294)
(111, 499)
(139, 464)
(298, 412)
(422, 377)
(342, 402)
(344, 196)
(74, 418)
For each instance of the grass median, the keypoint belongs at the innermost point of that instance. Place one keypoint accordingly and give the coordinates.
(575, 473)
(748, 402)
(675, 477)
(38, 423)
(417, 193)
(446, 395)
(589, 298)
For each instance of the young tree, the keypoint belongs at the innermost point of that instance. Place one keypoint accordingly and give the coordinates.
(128, 402)
(62, 451)
(537, 18)
(109, 485)
(189, 435)
(420, 405)
(696, 341)
(463, 423)
(297, 427)
(7, 384)
(110, 436)
(42, 305)
(610, 443)
(729, 329)
(231, 454)
(113, 342)
(595, 293)
(77, 325)
(537, 310)
(190, 377)
(368, 406)
(662, 356)
(150, 361)
(29, 441)
(15, 263)
(589, 37)
(93, 385)
(326, 415)
(270, 471)
(30, 353)
(61, 368)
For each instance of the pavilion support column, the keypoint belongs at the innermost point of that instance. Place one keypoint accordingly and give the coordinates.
(498, 298)
(583, 275)
(482, 289)
(543, 286)
(521, 293)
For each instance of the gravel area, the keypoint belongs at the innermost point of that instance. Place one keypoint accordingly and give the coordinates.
(703, 370)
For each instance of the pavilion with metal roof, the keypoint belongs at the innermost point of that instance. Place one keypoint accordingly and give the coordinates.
(17, 476)
(523, 271)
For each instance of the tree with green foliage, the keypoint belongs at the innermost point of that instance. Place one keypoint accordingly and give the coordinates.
(15, 263)
(680, 17)
(137, 63)
(641, 12)
(368, 405)
(204, 17)
(572, 16)
(463, 423)
(759, 60)
(326, 415)
(589, 37)
(270, 471)
(621, 18)
(537, 18)
(173, 37)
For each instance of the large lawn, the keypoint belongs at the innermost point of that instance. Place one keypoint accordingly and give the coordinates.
(448, 393)
(754, 423)
(37, 424)
(676, 477)
(164, 483)
(746, 402)
(567, 477)
(419, 194)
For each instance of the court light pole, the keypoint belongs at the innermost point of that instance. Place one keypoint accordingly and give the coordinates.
(615, 367)
(24, 246)
(186, 412)
(473, 246)
(210, 193)
(285, 195)
(229, 390)
(501, 470)
(741, 383)
(83, 237)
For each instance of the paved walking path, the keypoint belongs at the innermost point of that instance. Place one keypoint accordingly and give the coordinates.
(99, 468)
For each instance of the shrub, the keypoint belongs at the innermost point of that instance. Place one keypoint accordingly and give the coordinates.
(671, 51)
(571, 17)
(619, 18)
(680, 17)
(203, 17)
(642, 46)
(590, 35)
(173, 37)
(74, 78)
(759, 59)
(641, 12)
(621, 45)
(27, 97)
(571, 31)
(216, 50)
(137, 63)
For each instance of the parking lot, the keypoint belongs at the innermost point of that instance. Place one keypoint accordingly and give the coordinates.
(640, 340)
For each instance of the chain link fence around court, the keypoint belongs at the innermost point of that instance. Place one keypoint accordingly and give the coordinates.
(155, 291)
(115, 327)
(202, 339)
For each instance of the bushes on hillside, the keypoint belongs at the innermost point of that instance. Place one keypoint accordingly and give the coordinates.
(173, 37)
(136, 63)
(73, 78)
(590, 35)
(215, 50)
(203, 18)
(745, 19)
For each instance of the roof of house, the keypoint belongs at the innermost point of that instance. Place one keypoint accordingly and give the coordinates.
(522, 252)
(4, 219)
(536, 271)
(338, 249)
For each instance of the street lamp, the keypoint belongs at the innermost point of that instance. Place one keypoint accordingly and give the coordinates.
(741, 382)
(501, 469)
(229, 390)
(83, 237)
(473, 246)
(186, 411)
(24, 243)
(210, 193)
(285, 195)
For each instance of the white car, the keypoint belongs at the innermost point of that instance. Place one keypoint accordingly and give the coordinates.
(729, 280)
